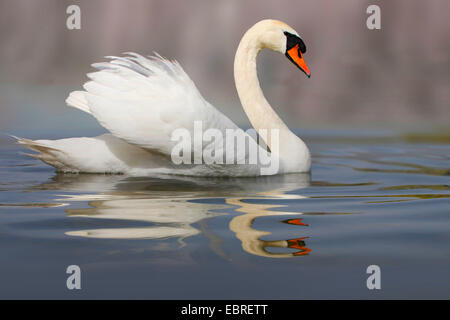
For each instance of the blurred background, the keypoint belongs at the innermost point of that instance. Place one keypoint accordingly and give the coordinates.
(396, 76)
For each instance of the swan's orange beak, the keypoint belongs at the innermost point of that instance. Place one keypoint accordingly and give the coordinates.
(295, 55)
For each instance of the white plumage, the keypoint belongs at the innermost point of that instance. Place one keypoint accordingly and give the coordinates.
(141, 101)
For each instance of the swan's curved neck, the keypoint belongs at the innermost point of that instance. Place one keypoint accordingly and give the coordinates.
(258, 110)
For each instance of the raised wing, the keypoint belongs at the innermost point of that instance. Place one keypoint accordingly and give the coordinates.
(143, 100)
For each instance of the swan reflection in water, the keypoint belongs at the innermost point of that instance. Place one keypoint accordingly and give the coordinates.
(171, 205)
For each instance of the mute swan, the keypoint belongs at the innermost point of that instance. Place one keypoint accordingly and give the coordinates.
(141, 102)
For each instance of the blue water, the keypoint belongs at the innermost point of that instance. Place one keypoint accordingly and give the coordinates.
(369, 201)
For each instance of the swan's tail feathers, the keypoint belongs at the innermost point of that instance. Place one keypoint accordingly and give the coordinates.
(46, 153)
(78, 100)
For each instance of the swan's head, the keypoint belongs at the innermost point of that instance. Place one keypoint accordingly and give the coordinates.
(278, 36)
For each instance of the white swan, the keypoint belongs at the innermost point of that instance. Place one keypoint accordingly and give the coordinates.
(142, 101)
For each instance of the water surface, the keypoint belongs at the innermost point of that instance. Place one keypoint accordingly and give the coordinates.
(373, 200)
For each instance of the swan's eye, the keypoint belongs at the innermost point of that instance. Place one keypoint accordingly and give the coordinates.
(295, 47)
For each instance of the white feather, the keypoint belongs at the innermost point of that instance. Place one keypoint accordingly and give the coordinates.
(77, 100)
(144, 100)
